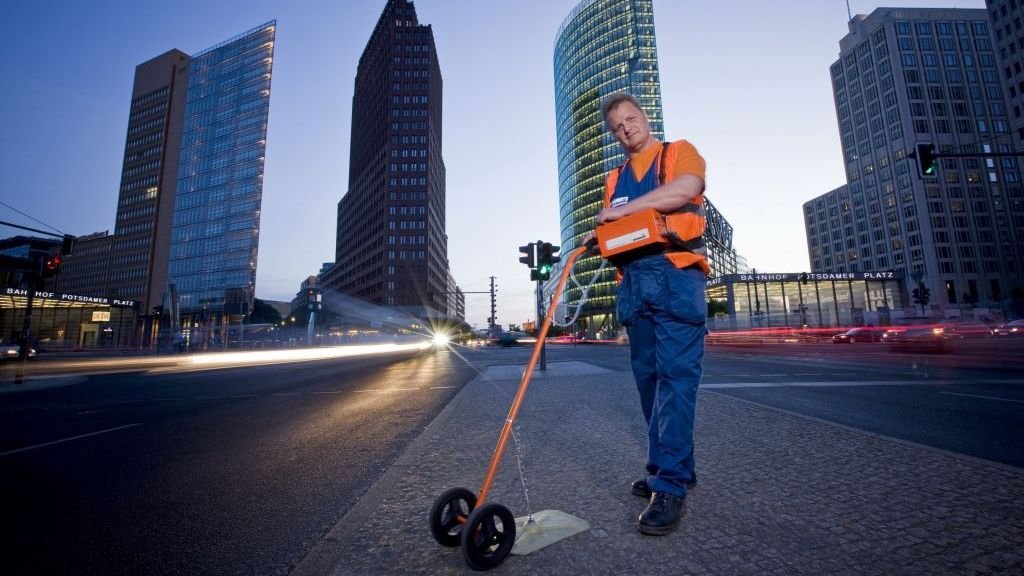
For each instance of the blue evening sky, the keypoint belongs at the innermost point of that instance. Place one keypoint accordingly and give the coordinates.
(746, 81)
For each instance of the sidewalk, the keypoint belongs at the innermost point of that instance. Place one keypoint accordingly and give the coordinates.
(779, 493)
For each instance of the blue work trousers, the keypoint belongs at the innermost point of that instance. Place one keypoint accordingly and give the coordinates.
(665, 314)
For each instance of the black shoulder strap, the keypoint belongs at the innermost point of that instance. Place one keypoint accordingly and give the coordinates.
(662, 165)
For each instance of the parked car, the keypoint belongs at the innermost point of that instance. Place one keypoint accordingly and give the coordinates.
(1014, 328)
(10, 351)
(860, 334)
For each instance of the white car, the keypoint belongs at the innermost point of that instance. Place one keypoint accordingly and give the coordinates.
(11, 351)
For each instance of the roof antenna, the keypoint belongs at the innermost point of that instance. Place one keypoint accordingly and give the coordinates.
(849, 15)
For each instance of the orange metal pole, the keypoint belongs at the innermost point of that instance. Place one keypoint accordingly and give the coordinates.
(510, 420)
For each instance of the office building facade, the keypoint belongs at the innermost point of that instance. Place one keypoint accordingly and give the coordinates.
(391, 247)
(216, 217)
(141, 242)
(63, 317)
(603, 47)
(1007, 19)
(923, 75)
(87, 269)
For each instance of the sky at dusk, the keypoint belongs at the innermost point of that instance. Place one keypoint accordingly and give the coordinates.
(746, 81)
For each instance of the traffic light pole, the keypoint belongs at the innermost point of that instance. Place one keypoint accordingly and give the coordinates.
(540, 319)
(926, 157)
(26, 338)
(974, 155)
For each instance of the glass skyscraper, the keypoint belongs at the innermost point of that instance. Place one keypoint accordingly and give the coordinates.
(603, 47)
(215, 233)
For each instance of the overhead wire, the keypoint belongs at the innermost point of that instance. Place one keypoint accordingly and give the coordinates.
(33, 219)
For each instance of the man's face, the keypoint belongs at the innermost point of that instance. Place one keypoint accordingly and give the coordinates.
(630, 127)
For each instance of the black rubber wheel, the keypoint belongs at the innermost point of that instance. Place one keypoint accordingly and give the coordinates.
(449, 514)
(488, 536)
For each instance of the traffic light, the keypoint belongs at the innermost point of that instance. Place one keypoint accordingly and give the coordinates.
(922, 294)
(528, 258)
(546, 257)
(314, 300)
(67, 245)
(927, 165)
(50, 266)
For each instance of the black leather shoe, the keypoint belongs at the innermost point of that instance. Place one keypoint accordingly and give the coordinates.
(662, 514)
(641, 489)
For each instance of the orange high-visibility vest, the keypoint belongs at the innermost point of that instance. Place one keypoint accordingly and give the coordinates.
(685, 226)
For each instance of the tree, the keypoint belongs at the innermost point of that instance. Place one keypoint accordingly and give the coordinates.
(263, 313)
(716, 306)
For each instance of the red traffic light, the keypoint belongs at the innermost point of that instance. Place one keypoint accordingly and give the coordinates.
(53, 263)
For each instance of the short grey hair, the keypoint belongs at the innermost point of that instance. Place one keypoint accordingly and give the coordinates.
(613, 101)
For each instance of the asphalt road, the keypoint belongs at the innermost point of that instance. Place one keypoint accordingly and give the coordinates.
(242, 470)
(216, 472)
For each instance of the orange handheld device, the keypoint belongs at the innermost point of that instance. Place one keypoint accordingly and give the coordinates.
(645, 229)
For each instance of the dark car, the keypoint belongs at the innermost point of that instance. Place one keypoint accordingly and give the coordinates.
(928, 338)
(967, 329)
(1014, 328)
(904, 324)
(939, 337)
(861, 334)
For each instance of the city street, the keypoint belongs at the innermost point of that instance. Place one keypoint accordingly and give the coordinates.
(213, 472)
(244, 470)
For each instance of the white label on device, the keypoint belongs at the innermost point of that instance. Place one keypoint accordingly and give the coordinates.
(629, 238)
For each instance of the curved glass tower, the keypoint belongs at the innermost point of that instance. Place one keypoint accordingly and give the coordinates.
(603, 46)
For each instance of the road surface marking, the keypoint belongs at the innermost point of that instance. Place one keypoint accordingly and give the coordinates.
(287, 394)
(330, 392)
(441, 387)
(913, 382)
(984, 397)
(80, 436)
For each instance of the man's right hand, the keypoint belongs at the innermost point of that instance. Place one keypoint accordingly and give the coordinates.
(609, 214)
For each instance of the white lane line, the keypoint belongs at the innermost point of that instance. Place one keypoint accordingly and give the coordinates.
(80, 436)
(984, 397)
(825, 384)
(330, 392)
(287, 394)
(388, 390)
(829, 384)
(441, 387)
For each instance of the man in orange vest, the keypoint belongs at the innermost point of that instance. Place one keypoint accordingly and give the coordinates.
(661, 302)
